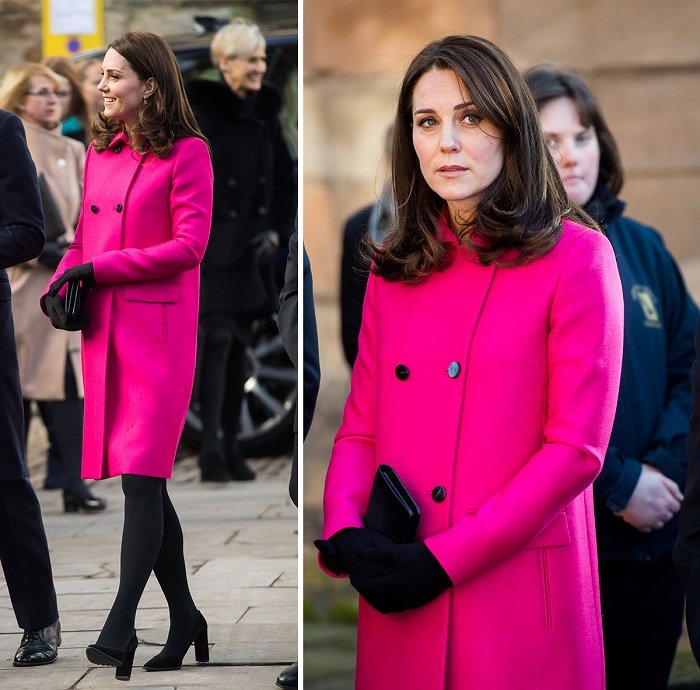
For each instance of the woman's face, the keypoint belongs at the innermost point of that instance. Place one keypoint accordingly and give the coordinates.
(574, 148)
(460, 153)
(122, 90)
(41, 104)
(244, 75)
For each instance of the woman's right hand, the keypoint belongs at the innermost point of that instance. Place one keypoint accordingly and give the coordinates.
(55, 308)
(347, 550)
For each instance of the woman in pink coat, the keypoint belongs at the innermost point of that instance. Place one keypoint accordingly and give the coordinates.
(487, 376)
(142, 232)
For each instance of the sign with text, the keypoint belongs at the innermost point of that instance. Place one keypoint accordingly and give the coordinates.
(71, 26)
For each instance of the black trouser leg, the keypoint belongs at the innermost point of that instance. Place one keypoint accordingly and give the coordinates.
(24, 553)
(171, 572)
(642, 604)
(233, 400)
(217, 341)
(141, 543)
(67, 416)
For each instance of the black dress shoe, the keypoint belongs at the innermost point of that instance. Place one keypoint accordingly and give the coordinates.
(39, 646)
(289, 678)
(72, 503)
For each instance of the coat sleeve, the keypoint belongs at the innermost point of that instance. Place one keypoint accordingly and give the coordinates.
(190, 213)
(21, 218)
(584, 352)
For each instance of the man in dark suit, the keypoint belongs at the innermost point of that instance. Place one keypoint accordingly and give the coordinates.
(24, 551)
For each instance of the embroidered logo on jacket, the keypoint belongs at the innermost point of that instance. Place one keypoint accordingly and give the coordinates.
(647, 301)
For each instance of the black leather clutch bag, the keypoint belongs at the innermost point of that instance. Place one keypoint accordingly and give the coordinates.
(73, 300)
(391, 510)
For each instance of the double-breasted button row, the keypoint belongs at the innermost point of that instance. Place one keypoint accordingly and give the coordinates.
(231, 182)
(118, 208)
(233, 214)
(453, 371)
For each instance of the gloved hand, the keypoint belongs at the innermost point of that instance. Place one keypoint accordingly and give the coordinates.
(414, 578)
(346, 550)
(85, 273)
(265, 246)
(55, 308)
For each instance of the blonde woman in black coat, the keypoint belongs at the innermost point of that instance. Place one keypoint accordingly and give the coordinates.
(254, 211)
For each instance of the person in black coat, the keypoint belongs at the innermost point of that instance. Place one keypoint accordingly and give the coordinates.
(255, 198)
(638, 493)
(24, 551)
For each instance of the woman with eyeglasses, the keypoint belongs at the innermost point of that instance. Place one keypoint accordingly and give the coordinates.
(49, 360)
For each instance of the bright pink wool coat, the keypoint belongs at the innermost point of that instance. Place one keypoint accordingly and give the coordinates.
(144, 224)
(515, 431)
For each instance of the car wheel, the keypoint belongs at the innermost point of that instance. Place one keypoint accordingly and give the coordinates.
(267, 415)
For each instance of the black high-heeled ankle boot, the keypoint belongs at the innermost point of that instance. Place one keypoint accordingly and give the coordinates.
(72, 503)
(123, 659)
(169, 661)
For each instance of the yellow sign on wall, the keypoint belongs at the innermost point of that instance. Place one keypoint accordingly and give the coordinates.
(71, 26)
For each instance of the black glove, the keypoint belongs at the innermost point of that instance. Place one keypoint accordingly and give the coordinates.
(265, 246)
(55, 308)
(414, 579)
(85, 273)
(346, 550)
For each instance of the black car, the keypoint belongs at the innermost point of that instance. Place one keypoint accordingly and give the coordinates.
(267, 417)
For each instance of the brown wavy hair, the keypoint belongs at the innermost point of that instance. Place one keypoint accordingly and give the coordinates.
(522, 209)
(166, 115)
(548, 82)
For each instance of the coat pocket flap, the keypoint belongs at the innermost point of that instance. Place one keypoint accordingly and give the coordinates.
(157, 292)
(556, 533)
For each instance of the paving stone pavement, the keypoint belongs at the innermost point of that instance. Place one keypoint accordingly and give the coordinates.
(241, 551)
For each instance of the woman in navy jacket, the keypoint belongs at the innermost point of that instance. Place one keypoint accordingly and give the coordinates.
(639, 491)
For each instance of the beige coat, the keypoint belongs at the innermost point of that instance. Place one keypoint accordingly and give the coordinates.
(41, 349)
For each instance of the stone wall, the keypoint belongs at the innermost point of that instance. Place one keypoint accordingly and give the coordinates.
(20, 28)
(641, 57)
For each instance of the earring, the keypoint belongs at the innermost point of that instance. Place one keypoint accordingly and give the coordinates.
(145, 100)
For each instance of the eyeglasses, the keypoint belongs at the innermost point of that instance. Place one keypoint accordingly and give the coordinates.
(45, 93)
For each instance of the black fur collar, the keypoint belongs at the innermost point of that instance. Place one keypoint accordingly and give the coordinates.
(214, 97)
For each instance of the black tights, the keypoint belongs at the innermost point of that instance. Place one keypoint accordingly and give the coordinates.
(151, 542)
